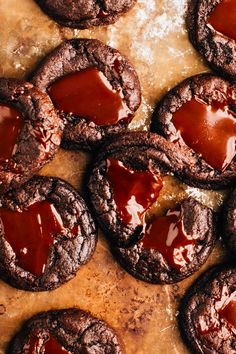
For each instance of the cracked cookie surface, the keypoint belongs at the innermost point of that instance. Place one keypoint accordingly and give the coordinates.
(198, 117)
(74, 57)
(190, 236)
(217, 48)
(83, 13)
(71, 331)
(139, 152)
(206, 316)
(173, 246)
(39, 137)
(71, 243)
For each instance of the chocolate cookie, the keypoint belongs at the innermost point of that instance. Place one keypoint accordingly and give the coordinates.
(199, 116)
(30, 132)
(207, 314)
(212, 35)
(229, 221)
(93, 87)
(68, 331)
(125, 182)
(85, 13)
(46, 234)
(173, 247)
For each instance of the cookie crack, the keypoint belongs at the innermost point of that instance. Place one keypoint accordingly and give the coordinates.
(101, 4)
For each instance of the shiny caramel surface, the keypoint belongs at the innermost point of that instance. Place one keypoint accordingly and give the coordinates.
(153, 36)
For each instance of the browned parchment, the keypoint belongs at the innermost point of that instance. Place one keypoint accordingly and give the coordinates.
(154, 38)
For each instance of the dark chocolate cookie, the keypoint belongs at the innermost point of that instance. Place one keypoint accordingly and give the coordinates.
(124, 183)
(69, 331)
(229, 222)
(30, 132)
(173, 247)
(85, 13)
(212, 35)
(46, 234)
(207, 313)
(125, 180)
(199, 116)
(93, 87)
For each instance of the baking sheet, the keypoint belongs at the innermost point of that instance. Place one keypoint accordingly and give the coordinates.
(154, 38)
